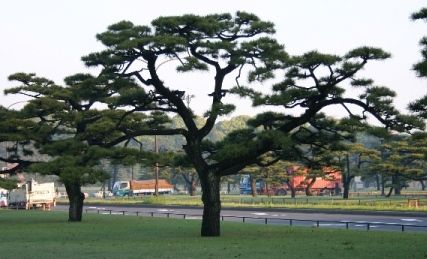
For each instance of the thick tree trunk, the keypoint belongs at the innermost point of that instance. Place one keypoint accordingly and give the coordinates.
(397, 190)
(309, 185)
(346, 180)
(253, 186)
(346, 191)
(211, 204)
(75, 197)
(396, 184)
(395, 181)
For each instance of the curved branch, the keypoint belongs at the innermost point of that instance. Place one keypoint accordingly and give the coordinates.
(228, 167)
(203, 58)
(148, 132)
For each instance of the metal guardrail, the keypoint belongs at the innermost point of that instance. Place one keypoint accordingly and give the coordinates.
(265, 220)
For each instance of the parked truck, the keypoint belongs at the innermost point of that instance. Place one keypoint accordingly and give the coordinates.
(33, 195)
(141, 187)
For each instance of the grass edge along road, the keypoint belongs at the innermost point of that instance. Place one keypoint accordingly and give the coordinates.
(38, 234)
(324, 203)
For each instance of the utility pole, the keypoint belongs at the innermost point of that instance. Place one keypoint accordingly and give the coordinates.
(156, 149)
(188, 99)
(131, 171)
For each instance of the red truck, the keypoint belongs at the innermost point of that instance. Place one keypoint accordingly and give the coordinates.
(297, 180)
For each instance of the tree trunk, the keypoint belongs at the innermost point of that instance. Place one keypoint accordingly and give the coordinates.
(210, 183)
(377, 180)
(103, 190)
(423, 185)
(309, 185)
(396, 184)
(75, 197)
(292, 189)
(193, 187)
(267, 189)
(389, 192)
(382, 185)
(397, 190)
(253, 186)
(188, 187)
(190, 182)
(346, 180)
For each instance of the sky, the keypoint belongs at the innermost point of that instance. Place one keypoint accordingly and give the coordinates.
(48, 37)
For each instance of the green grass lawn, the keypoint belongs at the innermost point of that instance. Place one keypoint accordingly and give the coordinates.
(37, 234)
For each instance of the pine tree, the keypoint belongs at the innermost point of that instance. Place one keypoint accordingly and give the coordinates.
(224, 46)
(61, 132)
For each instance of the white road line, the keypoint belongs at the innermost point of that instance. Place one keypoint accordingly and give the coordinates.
(411, 220)
(259, 213)
(164, 210)
(330, 224)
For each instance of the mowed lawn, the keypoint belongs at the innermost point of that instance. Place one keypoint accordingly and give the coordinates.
(37, 234)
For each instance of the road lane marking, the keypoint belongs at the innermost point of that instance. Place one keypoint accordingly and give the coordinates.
(164, 210)
(259, 214)
(412, 220)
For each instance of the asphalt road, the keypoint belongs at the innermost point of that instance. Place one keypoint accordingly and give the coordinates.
(385, 221)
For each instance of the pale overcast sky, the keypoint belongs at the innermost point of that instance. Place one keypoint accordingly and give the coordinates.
(48, 37)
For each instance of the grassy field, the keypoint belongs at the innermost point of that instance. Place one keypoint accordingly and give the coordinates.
(325, 202)
(37, 234)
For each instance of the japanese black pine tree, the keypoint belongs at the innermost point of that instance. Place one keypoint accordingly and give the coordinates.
(420, 106)
(236, 46)
(69, 134)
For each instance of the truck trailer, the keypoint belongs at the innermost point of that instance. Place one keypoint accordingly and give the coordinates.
(141, 187)
(33, 195)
